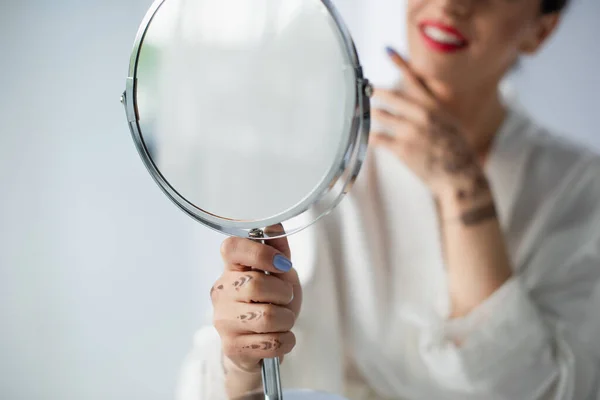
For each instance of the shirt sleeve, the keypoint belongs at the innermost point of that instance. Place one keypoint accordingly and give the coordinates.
(537, 337)
(522, 344)
(202, 376)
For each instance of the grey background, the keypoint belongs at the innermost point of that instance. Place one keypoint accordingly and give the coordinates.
(102, 280)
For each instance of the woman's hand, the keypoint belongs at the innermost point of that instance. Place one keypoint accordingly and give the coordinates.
(429, 141)
(254, 312)
(432, 144)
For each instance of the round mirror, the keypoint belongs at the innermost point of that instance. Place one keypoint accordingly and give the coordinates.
(251, 115)
(248, 113)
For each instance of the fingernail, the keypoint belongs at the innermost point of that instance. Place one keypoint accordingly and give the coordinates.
(390, 51)
(282, 263)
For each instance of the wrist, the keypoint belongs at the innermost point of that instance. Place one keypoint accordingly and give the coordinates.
(460, 198)
(230, 367)
(241, 381)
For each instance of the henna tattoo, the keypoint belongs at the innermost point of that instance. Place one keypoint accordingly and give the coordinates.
(277, 344)
(446, 126)
(478, 185)
(251, 316)
(265, 345)
(242, 281)
(479, 215)
(212, 289)
(449, 149)
(458, 159)
(272, 345)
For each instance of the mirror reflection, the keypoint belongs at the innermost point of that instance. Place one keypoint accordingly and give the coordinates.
(231, 104)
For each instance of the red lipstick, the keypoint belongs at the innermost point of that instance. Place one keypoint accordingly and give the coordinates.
(442, 38)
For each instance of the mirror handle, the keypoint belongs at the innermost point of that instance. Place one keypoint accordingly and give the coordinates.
(270, 366)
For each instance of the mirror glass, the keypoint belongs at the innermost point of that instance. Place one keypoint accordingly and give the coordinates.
(245, 106)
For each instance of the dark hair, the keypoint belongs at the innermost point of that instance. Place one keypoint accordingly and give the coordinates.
(552, 6)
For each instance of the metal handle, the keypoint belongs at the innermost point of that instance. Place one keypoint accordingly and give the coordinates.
(270, 366)
(271, 379)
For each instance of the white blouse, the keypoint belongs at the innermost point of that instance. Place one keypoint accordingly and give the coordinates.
(374, 324)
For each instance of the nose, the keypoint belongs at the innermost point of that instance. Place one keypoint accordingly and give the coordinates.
(458, 8)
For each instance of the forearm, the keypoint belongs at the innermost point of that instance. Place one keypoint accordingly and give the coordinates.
(476, 257)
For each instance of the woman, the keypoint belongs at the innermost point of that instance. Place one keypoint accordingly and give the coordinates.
(463, 263)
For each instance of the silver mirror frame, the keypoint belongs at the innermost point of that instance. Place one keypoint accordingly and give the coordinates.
(325, 198)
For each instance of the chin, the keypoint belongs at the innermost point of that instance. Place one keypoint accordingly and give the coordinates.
(432, 68)
(447, 68)
(447, 65)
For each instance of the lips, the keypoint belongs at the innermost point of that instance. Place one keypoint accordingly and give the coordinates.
(442, 38)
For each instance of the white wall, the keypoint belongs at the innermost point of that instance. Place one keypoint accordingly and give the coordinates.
(561, 85)
(102, 280)
(99, 275)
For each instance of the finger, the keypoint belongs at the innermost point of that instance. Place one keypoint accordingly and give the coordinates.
(256, 287)
(280, 244)
(411, 76)
(404, 106)
(381, 139)
(241, 318)
(240, 254)
(405, 150)
(399, 125)
(259, 346)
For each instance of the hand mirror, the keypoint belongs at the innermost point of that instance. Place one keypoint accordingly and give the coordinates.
(251, 115)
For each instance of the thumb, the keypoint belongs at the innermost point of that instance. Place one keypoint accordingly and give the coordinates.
(280, 244)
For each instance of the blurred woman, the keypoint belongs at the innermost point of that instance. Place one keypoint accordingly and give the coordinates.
(463, 263)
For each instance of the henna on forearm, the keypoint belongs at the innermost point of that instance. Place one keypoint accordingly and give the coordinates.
(457, 160)
(479, 215)
(477, 186)
(452, 155)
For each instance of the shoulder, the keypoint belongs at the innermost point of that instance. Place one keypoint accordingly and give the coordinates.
(554, 223)
(549, 144)
(556, 164)
(561, 183)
